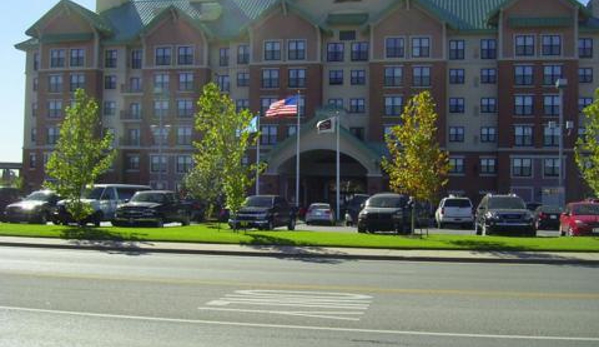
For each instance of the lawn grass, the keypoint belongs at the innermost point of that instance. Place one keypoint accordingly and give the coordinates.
(211, 233)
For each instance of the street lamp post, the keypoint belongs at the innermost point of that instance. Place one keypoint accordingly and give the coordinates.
(561, 84)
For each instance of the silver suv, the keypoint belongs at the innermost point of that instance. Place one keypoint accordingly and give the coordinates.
(503, 213)
(454, 210)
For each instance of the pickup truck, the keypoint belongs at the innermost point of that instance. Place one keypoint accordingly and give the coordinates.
(155, 207)
(265, 212)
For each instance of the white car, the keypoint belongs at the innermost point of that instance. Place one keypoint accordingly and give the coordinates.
(320, 213)
(454, 210)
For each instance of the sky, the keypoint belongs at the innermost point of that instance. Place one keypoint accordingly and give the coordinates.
(18, 17)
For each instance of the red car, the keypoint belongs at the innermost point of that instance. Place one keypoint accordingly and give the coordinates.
(580, 218)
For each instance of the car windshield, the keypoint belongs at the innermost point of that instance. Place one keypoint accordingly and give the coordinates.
(457, 203)
(93, 194)
(385, 201)
(320, 207)
(259, 201)
(508, 203)
(38, 196)
(148, 197)
(586, 209)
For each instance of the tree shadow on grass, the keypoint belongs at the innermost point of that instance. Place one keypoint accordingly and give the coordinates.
(104, 240)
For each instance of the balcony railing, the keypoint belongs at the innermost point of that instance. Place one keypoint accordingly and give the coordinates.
(127, 115)
(131, 89)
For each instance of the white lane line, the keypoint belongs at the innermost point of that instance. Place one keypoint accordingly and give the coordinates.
(291, 304)
(311, 314)
(300, 327)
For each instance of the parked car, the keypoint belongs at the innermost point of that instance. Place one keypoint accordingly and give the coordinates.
(103, 199)
(385, 212)
(8, 195)
(265, 212)
(155, 207)
(37, 207)
(580, 218)
(454, 210)
(320, 213)
(354, 206)
(503, 213)
(547, 217)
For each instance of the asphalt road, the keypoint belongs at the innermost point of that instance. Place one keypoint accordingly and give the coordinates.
(89, 298)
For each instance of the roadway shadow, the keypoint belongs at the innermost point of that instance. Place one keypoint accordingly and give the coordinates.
(104, 240)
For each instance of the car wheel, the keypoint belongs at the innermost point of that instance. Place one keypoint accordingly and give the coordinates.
(160, 223)
(270, 225)
(291, 225)
(186, 220)
(97, 219)
(361, 229)
(308, 223)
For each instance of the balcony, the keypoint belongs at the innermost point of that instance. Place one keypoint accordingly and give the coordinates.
(131, 89)
(128, 116)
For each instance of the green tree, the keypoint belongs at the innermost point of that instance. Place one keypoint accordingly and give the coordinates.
(586, 152)
(81, 155)
(225, 139)
(417, 166)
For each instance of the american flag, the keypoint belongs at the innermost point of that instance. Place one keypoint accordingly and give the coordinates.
(284, 107)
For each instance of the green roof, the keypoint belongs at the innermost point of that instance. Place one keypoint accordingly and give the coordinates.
(347, 18)
(92, 18)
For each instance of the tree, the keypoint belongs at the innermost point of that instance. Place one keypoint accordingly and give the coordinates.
(586, 152)
(417, 166)
(226, 136)
(81, 155)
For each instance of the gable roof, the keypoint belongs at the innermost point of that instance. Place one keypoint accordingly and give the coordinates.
(94, 19)
(506, 3)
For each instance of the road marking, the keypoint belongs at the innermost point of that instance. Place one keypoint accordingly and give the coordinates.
(299, 327)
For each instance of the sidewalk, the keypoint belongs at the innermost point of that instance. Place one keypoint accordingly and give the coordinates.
(130, 247)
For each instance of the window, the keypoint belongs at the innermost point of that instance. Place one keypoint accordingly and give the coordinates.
(158, 163)
(242, 104)
(243, 79)
(243, 54)
(184, 164)
(270, 78)
(223, 56)
(525, 45)
(32, 160)
(583, 103)
(291, 130)
(34, 109)
(110, 56)
(551, 105)
(456, 49)
(421, 76)
(456, 134)
(135, 110)
(185, 81)
(133, 137)
(335, 77)
(359, 51)
(55, 83)
(585, 75)
(184, 135)
(393, 105)
(36, 84)
(551, 73)
(523, 75)
(357, 132)
(488, 49)
(357, 105)
(394, 47)
(550, 136)
(488, 166)
(224, 83)
(358, 77)
(133, 162)
(272, 50)
(393, 76)
(163, 56)
(523, 105)
(521, 167)
(456, 105)
(77, 58)
(296, 50)
(551, 167)
(77, 82)
(268, 135)
(161, 82)
(109, 108)
(33, 135)
(335, 51)
(420, 47)
(184, 108)
(585, 47)
(337, 102)
(57, 57)
(551, 45)
(54, 108)
(523, 135)
(265, 104)
(36, 61)
(488, 105)
(456, 165)
(297, 78)
(134, 85)
(110, 82)
(185, 55)
(488, 76)
(161, 108)
(456, 76)
(488, 134)
(52, 134)
(136, 59)
(160, 136)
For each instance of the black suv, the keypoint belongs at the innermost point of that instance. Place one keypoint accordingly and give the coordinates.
(503, 213)
(155, 207)
(264, 212)
(385, 212)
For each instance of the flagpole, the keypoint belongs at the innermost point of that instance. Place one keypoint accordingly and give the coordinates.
(297, 157)
(338, 164)
(258, 155)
